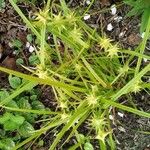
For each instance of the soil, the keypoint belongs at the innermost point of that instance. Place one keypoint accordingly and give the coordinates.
(127, 128)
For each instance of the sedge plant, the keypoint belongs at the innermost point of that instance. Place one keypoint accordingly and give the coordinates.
(87, 80)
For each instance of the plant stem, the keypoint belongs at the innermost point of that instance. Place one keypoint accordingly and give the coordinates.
(143, 45)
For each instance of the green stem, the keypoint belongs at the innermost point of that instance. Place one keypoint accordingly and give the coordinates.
(48, 81)
(102, 145)
(48, 4)
(126, 108)
(42, 46)
(28, 86)
(36, 134)
(142, 48)
(125, 89)
(81, 110)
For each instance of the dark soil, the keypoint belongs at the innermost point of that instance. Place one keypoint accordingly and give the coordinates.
(129, 129)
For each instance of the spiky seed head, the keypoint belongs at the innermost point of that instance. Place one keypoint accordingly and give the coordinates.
(42, 16)
(63, 105)
(78, 67)
(101, 135)
(92, 100)
(105, 43)
(112, 51)
(124, 69)
(136, 87)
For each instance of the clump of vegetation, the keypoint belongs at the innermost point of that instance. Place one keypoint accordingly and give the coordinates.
(17, 125)
(87, 73)
(140, 7)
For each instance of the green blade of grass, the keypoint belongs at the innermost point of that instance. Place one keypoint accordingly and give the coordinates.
(40, 112)
(135, 54)
(42, 81)
(130, 83)
(28, 86)
(126, 108)
(36, 134)
(80, 111)
(143, 45)
(94, 73)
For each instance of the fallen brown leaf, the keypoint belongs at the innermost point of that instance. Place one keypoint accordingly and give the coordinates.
(105, 2)
(134, 39)
(9, 62)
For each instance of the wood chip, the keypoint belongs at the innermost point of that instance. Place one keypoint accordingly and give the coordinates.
(134, 39)
(105, 2)
(9, 62)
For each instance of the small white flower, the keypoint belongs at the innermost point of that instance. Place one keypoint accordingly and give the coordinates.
(109, 27)
(87, 16)
(88, 2)
(10, 44)
(118, 18)
(111, 117)
(120, 114)
(145, 59)
(14, 52)
(143, 35)
(113, 9)
(27, 45)
(31, 49)
(49, 37)
(121, 34)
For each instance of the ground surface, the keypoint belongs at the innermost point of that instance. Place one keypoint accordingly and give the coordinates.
(125, 31)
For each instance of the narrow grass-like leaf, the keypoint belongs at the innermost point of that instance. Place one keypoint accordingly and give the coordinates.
(17, 92)
(40, 112)
(94, 73)
(126, 108)
(80, 111)
(42, 81)
(130, 83)
(36, 134)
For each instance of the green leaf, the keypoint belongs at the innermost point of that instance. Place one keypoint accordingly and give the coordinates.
(34, 60)
(11, 122)
(24, 103)
(133, 12)
(17, 119)
(2, 4)
(81, 138)
(29, 38)
(26, 129)
(7, 144)
(2, 133)
(3, 95)
(19, 61)
(17, 43)
(12, 104)
(10, 126)
(5, 117)
(37, 105)
(88, 146)
(30, 117)
(33, 97)
(144, 21)
(14, 82)
(41, 143)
